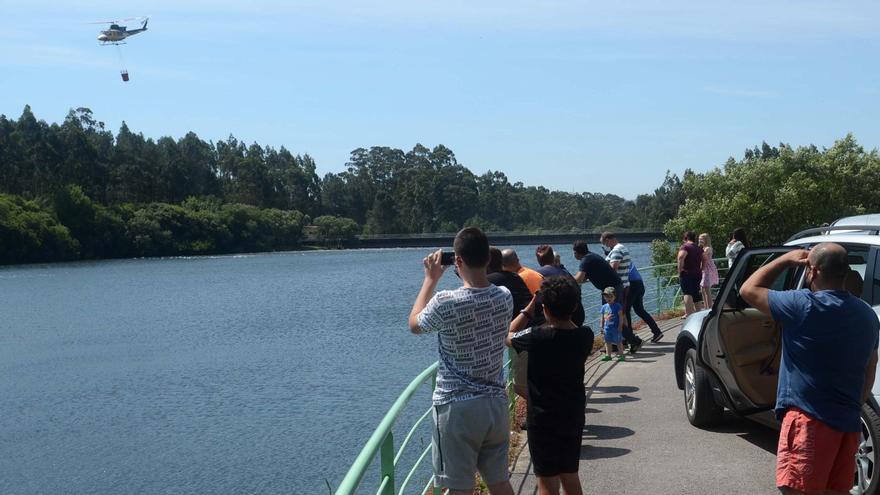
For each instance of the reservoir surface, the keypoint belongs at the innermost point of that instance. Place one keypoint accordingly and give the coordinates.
(261, 373)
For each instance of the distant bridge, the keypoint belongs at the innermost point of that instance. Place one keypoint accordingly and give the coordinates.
(497, 239)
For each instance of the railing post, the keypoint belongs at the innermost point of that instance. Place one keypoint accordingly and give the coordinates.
(659, 301)
(386, 463)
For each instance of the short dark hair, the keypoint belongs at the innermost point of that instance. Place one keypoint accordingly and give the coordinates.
(580, 247)
(559, 295)
(739, 234)
(473, 247)
(690, 235)
(495, 264)
(544, 252)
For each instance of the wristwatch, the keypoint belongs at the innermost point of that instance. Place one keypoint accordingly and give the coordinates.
(526, 314)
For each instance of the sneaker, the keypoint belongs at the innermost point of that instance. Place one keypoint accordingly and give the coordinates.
(606, 357)
(657, 338)
(635, 347)
(621, 358)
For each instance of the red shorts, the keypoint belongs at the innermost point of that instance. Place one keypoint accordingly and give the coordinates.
(813, 457)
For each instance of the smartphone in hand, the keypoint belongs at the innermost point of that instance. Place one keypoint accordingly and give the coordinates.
(447, 259)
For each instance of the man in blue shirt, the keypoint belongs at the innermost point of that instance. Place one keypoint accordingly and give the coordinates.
(635, 300)
(829, 357)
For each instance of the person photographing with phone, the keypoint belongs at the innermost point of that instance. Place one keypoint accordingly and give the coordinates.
(470, 403)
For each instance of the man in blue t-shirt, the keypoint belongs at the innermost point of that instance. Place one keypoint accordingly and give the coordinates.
(635, 300)
(829, 358)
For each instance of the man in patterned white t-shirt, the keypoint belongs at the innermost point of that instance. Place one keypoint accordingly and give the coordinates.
(470, 404)
(617, 255)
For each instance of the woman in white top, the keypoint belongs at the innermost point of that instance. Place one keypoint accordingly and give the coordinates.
(737, 243)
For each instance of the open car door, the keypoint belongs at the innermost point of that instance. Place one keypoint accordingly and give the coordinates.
(738, 344)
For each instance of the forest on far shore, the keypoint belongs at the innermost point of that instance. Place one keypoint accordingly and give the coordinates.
(75, 190)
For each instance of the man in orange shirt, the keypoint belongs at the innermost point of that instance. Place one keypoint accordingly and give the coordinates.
(510, 263)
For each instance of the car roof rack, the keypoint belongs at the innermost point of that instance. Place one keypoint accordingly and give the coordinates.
(860, 229)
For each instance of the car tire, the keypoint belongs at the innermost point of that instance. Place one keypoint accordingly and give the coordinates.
(866, 458)
(699, 404)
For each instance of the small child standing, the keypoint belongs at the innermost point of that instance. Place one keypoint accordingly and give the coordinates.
(612, 324)
(557, 352)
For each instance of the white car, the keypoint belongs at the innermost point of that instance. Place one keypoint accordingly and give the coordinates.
(728, 356)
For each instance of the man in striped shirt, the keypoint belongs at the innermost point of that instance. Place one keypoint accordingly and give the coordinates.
(619, 259)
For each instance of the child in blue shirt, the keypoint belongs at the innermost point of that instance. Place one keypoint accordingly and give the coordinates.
(612, 323)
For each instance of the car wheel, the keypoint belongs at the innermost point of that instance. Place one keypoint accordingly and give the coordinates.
(698, 401)
(866, 457)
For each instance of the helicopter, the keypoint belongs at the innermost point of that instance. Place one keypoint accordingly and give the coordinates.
(115, 34)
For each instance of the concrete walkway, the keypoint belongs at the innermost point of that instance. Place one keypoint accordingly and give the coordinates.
(638, 440)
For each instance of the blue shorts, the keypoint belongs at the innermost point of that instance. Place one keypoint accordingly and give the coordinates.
(612, 335)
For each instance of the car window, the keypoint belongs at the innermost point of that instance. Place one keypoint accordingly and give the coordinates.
(857, 257)
(783, 281)
(875, 293)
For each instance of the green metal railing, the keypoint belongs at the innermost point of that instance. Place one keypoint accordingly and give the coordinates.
(665, 295)
(664, 292)
(381, 442)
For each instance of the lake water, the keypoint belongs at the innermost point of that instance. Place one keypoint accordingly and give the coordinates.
(259, 373)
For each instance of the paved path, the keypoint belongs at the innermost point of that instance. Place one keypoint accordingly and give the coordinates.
(638, 439)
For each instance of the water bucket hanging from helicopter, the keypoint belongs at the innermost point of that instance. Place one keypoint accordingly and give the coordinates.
(124, 71)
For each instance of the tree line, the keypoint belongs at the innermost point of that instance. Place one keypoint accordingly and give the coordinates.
(775, 191)
(75, 190)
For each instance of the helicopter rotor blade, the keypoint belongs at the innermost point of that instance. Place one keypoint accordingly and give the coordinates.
(117, 21)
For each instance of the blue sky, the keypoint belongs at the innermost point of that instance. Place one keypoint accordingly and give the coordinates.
(578, 96)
